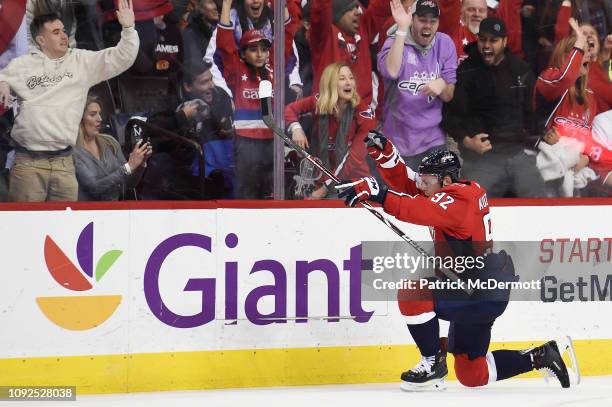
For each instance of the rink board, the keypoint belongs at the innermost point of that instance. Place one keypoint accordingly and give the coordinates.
(168, 297)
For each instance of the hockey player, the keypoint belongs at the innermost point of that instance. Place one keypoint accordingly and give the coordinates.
(458, 213)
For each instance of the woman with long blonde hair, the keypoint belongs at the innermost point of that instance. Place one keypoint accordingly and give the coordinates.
(340, 123)
(102, 171)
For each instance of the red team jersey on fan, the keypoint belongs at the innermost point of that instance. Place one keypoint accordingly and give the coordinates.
(507, 10)
(353, 163)
(551, 96)
(329, 44)
(600, 157)
(244, 81)
(596, 145)
(459, 211)
(244, 84)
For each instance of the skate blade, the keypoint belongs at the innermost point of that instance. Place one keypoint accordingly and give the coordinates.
(437, 385)
(565, 344)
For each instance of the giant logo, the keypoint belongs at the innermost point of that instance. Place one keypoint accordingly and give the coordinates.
(86, 312)
(78, 312)
(208, 287)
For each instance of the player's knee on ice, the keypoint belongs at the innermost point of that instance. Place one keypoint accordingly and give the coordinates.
(471, 373)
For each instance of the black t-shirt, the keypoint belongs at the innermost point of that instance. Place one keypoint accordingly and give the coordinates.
(168, 53)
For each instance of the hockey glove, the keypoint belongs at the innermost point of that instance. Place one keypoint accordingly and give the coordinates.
(381, 149)
(361, 189)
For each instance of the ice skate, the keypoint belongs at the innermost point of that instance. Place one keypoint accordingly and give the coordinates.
(548, 358)
(427, 375)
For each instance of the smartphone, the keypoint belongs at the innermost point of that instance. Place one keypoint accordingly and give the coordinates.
(139, 137)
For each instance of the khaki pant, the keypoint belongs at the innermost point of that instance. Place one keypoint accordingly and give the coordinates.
(43, 179)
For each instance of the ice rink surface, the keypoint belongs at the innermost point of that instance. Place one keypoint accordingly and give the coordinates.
(592, 392)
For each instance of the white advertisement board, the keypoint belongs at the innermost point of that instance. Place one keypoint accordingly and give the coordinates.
(226, 279)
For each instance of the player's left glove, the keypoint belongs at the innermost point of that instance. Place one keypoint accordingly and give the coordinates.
(381, 149)
(361, 189)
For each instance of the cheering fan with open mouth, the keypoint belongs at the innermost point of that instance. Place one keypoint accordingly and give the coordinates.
(562, 93)
(245, 67)
(340, 122)
(564, 103)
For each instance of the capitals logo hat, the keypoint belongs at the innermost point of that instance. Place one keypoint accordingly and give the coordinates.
(253, 36)
(425, 7)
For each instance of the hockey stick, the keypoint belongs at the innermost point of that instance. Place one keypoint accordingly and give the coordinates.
(265, 97)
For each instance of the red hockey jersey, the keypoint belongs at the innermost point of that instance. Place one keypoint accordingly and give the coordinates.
(353, 164)
(597, 145)
(600, 156)
(332, 45)
(459, 211)
(551, 95)
(143, 9)
(599, 81)
(507, 10)
(244, 82)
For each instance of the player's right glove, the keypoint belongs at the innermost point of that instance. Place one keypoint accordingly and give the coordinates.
(382, 150)
(361, 189)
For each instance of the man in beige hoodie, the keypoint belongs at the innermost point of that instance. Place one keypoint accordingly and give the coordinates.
(51, 86)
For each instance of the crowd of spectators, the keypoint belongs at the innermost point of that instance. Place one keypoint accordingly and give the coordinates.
(521, 90)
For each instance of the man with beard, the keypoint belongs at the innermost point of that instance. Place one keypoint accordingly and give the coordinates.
(461, 20)
(342, 32)
(205, 113)
(491, 116)
(418, 65)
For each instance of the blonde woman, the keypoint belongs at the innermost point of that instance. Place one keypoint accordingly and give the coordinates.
(340, 124)
(101, 169)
